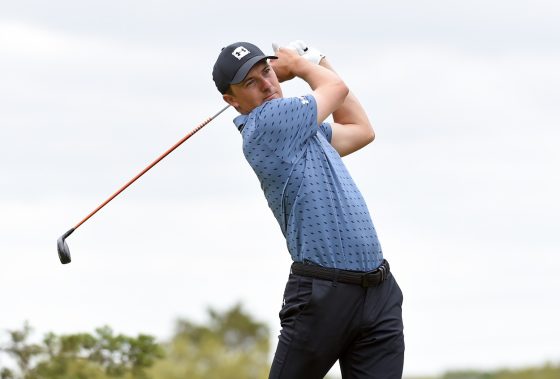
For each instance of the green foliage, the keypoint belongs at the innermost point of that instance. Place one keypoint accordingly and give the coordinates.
(76, 356)
(231, 346)
(548, 371)
(470, 374)
(22, 351)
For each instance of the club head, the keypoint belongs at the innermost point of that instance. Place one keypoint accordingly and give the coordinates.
(63, 249)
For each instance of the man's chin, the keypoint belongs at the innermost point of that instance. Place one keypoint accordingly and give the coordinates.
(271, 97)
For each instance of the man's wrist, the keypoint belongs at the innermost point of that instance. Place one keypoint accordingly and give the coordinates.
(303, 67)
(325, 63)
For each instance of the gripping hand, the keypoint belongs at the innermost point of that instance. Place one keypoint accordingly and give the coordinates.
(303, 49)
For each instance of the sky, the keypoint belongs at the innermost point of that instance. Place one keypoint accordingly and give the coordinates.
(460, 180)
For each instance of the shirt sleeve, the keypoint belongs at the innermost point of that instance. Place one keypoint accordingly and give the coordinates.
(286, 125)
(326, 129)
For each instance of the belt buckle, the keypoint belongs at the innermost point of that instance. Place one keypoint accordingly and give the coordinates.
(381, 270)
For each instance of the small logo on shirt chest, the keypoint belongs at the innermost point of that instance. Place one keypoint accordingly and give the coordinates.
(303, 100)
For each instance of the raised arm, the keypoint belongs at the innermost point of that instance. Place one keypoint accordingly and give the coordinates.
(352, 129)
(329, 90)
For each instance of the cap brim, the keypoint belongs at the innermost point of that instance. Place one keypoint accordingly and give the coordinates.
(247, 66)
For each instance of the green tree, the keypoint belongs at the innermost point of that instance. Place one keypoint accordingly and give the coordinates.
(548, 371)
(231, 346)
(76, 356)
(22, 352)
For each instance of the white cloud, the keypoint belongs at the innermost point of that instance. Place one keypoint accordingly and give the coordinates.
(20, 38)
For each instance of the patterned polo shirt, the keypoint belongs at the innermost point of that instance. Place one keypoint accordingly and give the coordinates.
(321, 212)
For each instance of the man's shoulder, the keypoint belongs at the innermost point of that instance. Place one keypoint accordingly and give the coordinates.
(285, 103)
(274, 116)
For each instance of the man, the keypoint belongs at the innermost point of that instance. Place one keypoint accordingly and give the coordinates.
(341, 302)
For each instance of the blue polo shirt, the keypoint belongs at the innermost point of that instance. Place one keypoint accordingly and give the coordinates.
(319, 209)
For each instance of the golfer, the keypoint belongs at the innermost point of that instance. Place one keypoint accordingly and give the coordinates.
(341, 301)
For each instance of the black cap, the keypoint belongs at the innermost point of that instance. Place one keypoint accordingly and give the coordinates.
(234, 62)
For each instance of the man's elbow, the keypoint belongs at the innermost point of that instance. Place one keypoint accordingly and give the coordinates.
(366, 137)
(345, 89)
(370, 134)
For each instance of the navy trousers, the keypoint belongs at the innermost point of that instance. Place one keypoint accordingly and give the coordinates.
(324, 321)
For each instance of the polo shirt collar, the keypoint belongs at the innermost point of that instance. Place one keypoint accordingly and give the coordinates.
(239, 121)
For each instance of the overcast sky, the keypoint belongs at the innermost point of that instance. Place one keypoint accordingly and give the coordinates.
(462, 180)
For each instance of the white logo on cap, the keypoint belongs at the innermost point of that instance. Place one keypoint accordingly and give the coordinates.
(240, 52)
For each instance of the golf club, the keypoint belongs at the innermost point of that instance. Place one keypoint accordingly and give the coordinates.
(62, 246)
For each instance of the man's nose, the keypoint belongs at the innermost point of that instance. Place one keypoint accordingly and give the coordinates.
(265, 84)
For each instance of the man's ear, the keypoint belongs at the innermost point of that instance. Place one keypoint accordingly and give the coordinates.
(230, 99)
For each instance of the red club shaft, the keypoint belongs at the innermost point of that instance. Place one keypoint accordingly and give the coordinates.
(156, 161)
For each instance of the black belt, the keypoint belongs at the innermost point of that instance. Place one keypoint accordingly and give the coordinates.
(364, 279)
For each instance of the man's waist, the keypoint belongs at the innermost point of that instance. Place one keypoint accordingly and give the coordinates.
(364, 279)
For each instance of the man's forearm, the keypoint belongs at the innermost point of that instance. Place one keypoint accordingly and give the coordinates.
(316, 77)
